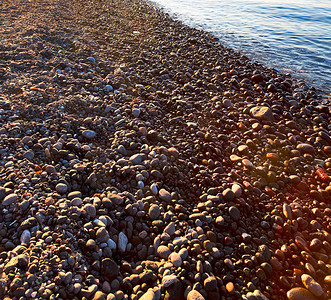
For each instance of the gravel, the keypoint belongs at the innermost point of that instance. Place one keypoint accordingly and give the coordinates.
(142, 159)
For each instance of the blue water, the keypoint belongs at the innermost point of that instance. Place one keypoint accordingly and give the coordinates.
(293, 36)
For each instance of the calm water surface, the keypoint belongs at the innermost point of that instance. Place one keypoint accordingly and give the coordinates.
(293, 36)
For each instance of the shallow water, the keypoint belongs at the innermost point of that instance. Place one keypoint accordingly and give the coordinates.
(293, 36)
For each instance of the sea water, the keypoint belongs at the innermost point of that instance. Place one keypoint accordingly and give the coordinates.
(292, 36)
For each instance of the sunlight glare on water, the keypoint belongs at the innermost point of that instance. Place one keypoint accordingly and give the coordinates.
(293, 36)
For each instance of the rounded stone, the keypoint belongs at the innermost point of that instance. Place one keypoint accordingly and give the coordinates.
(89, 134)
(163, 251)
(102, 235)
(195, 295)
(300, 293)
(234, 213)
(310, 283)
(262, 112)
(11, 198)
(154, 212)
(164, 195)
(169, 280)
(176, 259)
(61, 188)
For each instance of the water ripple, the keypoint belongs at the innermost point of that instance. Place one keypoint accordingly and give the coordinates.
(292, 35)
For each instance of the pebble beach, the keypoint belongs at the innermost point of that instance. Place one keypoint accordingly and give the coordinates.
(141, 159)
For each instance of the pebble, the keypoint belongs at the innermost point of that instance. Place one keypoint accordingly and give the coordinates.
(90, 210)
(234, 213)
(237, 190)
(8, 200)
(312, 285)
(136, 112)
(169, 280)
(89, 134)
(195, 295)
(115, 198)
(170, 229)
(305, 148)
(61, 188)
(262, 112)
(164, 195)
(210, 284)
(122, 241)
(154, 212)
(163, 251)
(299, 293)
(25, 237)
(176, 259)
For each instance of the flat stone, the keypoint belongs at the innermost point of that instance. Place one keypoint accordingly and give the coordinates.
(199, 216)
(90, 210)
(210, 284)
(170, 228)
(25, 237)
(149, 295)
(29, 155)
(173, 152)
(262, 112)
(74, 194)
(2, 193)
(235, 158)
(228, 194)
(175, 292)
(248, 164)
(136, 112)
(99, 296)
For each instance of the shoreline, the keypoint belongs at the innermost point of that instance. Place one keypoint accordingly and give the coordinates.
(141, 159)
(322, 88)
